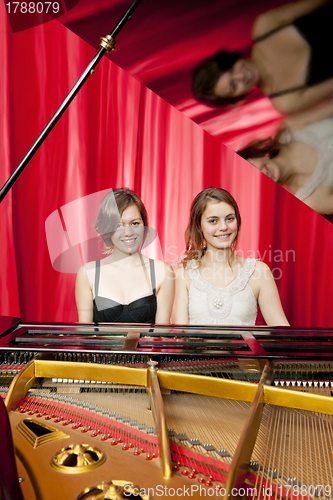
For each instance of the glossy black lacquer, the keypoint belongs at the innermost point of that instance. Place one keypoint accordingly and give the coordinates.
(250, 342)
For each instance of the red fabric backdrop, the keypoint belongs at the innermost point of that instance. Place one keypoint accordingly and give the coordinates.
(118, 133)
(164, 42)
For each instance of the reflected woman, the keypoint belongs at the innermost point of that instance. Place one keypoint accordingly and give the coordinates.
(300, 158)
(214, 285)
(288, 61)
(125, 286)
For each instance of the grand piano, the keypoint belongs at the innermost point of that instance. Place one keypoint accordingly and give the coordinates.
(145, 411)
(116, 410)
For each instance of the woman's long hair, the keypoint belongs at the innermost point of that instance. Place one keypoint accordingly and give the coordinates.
(205, 76)
(262, 147)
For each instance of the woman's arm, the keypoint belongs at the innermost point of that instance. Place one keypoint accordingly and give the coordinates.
(321, 200)
(304, 99)
(83, 297)
(165, 296)
(268, 297)
(180, 309)
(285, 14)
(301, 120)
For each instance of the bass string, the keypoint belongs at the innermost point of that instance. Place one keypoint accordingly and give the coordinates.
(269, 452)
(186, 411)
(227, 418)
(303, 451)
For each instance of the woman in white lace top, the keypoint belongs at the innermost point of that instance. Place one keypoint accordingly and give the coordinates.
(214, 285)
(300, 157)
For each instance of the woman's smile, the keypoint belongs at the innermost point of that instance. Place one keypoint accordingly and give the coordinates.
(222, 236)
(129, 241)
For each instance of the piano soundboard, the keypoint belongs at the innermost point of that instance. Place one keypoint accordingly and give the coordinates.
(162, 411)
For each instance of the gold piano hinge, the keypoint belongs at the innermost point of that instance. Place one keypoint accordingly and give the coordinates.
(108, 43)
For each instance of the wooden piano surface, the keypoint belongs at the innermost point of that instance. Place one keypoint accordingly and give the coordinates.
(225, 409)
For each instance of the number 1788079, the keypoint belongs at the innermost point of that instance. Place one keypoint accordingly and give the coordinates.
(33, 7)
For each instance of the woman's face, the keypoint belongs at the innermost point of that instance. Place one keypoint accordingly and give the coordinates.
(266, 166)
(219, 225)
(129, 233)
(239, 80)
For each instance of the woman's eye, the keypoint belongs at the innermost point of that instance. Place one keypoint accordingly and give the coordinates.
(213, 221)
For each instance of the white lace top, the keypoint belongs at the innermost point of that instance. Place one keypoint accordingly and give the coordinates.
(233, 305)
(319, 135)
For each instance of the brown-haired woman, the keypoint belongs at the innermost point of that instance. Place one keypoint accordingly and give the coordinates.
(214, 285)
(300, 157)
(125, 286)
(288, 61)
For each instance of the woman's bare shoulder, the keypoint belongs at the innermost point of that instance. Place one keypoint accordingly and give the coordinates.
(160, 265)
(180, 272)
(179, 268)
(88, 267)
(86, 273)
(283, 15)
(163, 270)
(261, 267)
(321, 200)
(261, 273)
(263, 24)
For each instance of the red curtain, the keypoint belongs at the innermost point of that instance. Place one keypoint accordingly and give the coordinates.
(164, 42)
(9, 298)
(117, 133)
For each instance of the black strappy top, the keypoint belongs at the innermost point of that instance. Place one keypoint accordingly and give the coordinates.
(142, 310)
(316, 29)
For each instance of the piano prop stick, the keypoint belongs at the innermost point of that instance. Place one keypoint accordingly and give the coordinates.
(107, 45)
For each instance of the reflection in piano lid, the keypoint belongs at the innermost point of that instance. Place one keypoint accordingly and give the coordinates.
(192, 419)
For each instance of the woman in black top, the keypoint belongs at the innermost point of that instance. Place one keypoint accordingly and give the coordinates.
(289, 60)
(125, 286)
